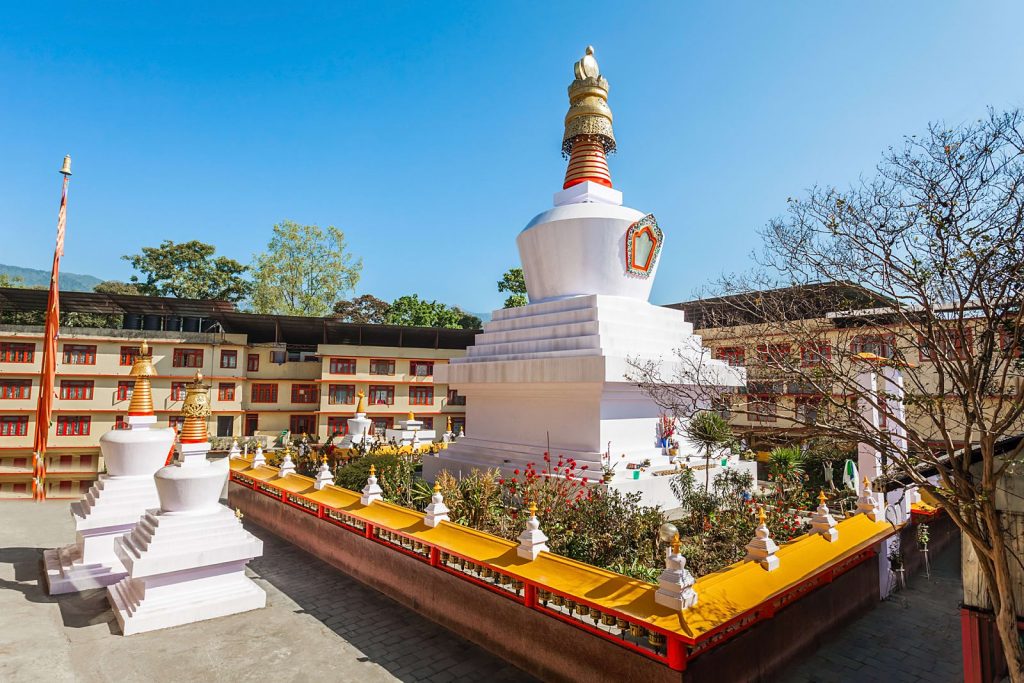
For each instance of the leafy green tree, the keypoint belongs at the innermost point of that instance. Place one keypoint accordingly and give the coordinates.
(188, 270)
(116, 287)
(413, 311)
(514, 282)
(365, 309)
(304, 269)
(8, 281)
(709, 432)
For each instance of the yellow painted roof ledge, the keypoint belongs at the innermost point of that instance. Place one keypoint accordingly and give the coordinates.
(722, 596)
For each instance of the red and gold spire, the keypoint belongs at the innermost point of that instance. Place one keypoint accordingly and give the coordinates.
(142, 394)
(588, 135)
(195, 410)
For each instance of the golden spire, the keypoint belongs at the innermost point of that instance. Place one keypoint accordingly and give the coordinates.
(437, 487)
(324, 459)
(588, 134)
(449, 424)
(142, 394)
(373, 470)
(760, 515)
(411, 417)
(361, 404)
(867, 483)
(821, 496)
(195, 409)
(533, 509)
(675, 544)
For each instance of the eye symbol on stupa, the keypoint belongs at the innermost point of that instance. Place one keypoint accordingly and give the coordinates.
(643, 242)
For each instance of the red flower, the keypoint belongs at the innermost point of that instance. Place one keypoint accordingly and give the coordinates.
(516, 472)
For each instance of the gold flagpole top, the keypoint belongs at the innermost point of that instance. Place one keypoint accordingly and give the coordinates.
(66, 168)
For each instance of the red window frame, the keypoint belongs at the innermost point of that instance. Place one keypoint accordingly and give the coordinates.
(15, 388)
(76, 389)
(960, 345)
(421, 395)
(770, 414)
(733, 355)
(226, 391)
(79, 354)
(379, 364)
(121, 422)
(343, 366)
(380, 424)
(302, 424)
(74, 425)
(128, 355)
(1010, 343)
(455, 399)
(814, 402)
(263, 393)
(229, 359)
(881, 345)
(813, 355)
(124, 390)
(305, 393)
(187, 358)
(428, 421)
(773, 355)
(178, 391)
(252, 363)
(345, 391)
(427, 365)
(13, 425)
(17, 352)
(337, 425)
(388, 391)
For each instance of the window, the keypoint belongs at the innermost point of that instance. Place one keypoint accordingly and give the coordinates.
(343, 366)
(225, 425)
(454, 399)
(382, 367)
(304, 393)
(813, 355)
(178, 390)
(79, 354)
(809, 410)
(14, 352)
(421, 396)
(279, 356)
(229, 359)
(881, 345)
(458, 424)
(421, 368)
(175, 422)
(302, 424)
(73, 425)
(253, 363)
(380, 425)
(187, 358)
(125, 389)
(1010, 342)
(13, 425)
(76, 390)
(264, 393)
(762, 409)
(226, 391)
(774, 355)
(129, 354)
(15, 388)
(428, 422)
(381, 395)
(341, 394)
(337, 425)
(733, 355)
(252, 423)
(951, 345)
(723, 406)
(120, 422)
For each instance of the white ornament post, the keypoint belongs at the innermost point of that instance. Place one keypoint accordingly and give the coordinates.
(822, 522)
(235, 451)
(258, 459)
(323, 476)
(533, 541)
(372, 491)
(437, 511)
(762, 548)
(867, 503)
(287, 466)
(675, 584)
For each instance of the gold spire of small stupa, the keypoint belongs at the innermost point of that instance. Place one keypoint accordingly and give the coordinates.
(588, 134)
(195, 410)
(142, 393)
(361, 404)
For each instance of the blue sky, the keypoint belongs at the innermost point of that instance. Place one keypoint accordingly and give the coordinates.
(430, 132)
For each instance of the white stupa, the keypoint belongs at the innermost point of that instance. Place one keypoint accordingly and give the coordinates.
(113, 505)
(186, 561)
(554, 371)
(410, 432)
(360, 427)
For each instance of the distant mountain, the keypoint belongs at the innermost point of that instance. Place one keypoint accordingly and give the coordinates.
(33, 277)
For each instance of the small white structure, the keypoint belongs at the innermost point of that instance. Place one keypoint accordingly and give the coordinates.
(533, 541)
(867, 503)
(437, 511)
(822, 522)
(323, 475)
(235, 450)
(410, 432)
(360, 427)
(372, 491)
(675, 584)
(113, 505)
(258, 459)
(762, 548)
(186, 561)
(287, 465)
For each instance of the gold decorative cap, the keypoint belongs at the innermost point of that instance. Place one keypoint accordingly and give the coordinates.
(533, 508)
(589, 116)
(760, 515)
(821, 497)
(195, 409)
(142, 393)
(361, 404)
(411, 416)
(675, 544)
(437, 487)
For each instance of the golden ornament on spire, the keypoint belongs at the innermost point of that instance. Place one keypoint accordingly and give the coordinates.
(821, 496)
(361, 404)
(195, 409)
(760, 515)
(675, 544)
(373, 470)
(588, 134)
(533, 509)
(437, 487)
(411, 417)
(142, 393)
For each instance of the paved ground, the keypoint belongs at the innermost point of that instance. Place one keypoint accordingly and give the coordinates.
(913, 636)
(318, 625)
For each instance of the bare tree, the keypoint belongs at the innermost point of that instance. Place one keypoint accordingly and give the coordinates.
(918, 268)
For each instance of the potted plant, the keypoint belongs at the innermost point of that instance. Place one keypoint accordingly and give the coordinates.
(608, 471)
(923, 537)
(896, 562)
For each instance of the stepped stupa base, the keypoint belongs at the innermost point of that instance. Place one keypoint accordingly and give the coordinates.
(184, 568)
(67, 572)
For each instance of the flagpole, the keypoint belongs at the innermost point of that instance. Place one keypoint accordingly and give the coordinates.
(48, 372)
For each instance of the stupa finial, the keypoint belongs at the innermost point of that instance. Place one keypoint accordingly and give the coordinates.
(361, 404)
(195, 409)
(142, 392)
(588, 125)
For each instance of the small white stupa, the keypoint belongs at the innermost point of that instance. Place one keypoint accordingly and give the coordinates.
(552, 375)
(410, 432)
(186, 561)
(113, 505)
(360, 427)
